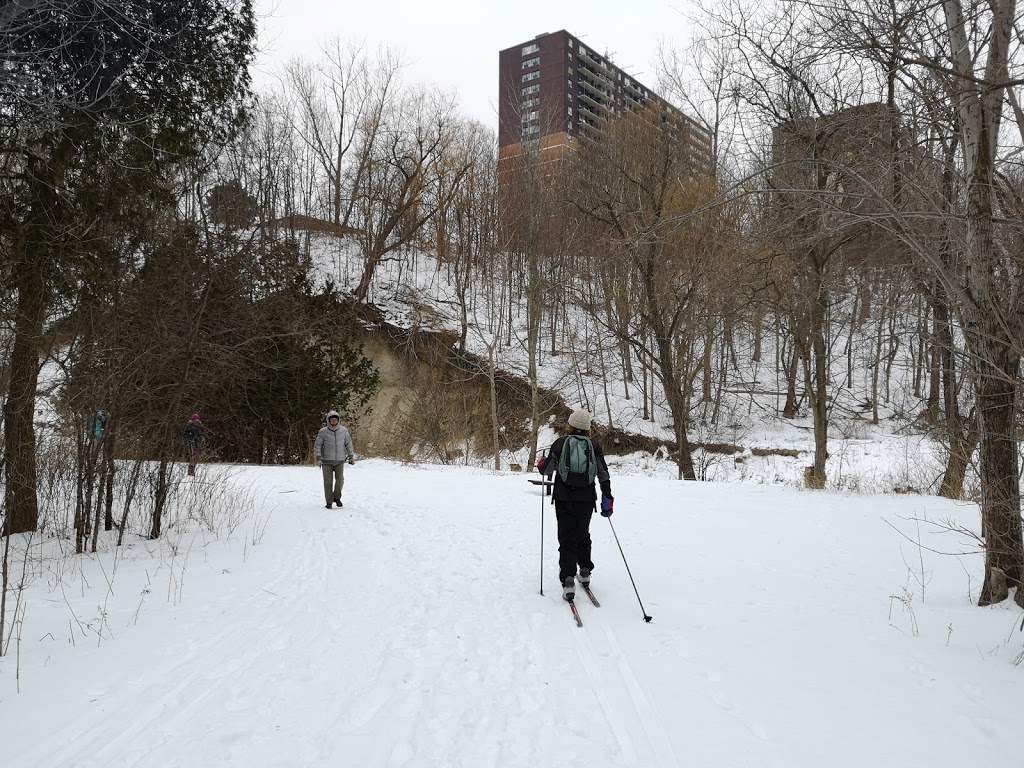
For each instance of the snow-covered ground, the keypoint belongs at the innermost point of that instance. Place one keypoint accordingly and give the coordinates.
(790, 629)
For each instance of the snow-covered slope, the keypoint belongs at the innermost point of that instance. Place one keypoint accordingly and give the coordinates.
(790, 629)
(894, 455)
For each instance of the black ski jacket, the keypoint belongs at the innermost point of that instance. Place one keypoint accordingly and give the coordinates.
(563, 492)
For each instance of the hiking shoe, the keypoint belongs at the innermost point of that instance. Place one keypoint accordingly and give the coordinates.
(327, 506)
(569, 589)
(585, 577)
(338, 502)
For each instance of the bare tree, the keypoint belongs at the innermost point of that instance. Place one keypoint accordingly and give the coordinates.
(336, 104)
(405, 180)
(645, 197)
(969, 51)
(944, 75)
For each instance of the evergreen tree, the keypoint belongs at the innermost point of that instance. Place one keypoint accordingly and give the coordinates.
(101, 102)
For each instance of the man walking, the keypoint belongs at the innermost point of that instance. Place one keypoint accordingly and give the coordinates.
(333, 447)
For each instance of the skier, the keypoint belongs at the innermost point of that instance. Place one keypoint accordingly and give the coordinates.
(333, 447)
(577, 461)
(195, 435)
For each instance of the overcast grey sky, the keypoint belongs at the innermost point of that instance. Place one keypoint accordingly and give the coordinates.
(454, 44)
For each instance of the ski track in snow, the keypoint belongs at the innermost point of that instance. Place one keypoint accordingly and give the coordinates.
(299, 664)
(406, 630)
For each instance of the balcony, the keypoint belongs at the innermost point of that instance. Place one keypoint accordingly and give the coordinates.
(596, 80)
(589, 130)
(633, 94)
(599, 106)
(596, 93)
(597, 63)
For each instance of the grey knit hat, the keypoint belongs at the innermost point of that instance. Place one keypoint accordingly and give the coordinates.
(580, 419)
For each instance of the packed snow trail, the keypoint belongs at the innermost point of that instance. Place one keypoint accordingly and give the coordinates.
(406, 630)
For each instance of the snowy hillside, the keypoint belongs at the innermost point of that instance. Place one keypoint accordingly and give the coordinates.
(789, 629)
(894, 455)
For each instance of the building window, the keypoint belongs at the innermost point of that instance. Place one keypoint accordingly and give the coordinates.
(530, 76)
(529, 89)
(570, 110)
(533, 48)
(531, 62)
(570, 71)
(570, 83)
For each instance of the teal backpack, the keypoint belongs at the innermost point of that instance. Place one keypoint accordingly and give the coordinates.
(577, 465)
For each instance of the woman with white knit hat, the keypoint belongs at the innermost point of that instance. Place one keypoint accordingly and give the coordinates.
(577, 462)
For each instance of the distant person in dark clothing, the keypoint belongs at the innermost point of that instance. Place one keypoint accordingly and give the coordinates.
(195, 436)
(332, 449)
(99, 424)
(577, 462)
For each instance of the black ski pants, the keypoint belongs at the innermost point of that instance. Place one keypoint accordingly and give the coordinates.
(573, 536)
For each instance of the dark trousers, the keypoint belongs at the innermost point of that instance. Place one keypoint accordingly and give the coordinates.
(573, 536)
(334, 481)
(193, 457)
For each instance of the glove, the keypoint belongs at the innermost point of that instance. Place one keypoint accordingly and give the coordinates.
(351, 461)
(541, 463)
(607, 506)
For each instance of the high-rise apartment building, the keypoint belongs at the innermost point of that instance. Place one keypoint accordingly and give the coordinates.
(555, 89)
(835, 175)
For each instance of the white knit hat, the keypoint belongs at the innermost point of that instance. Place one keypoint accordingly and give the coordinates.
(580, 419)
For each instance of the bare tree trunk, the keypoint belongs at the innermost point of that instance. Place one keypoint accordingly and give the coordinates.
(81, 510)
(876, 368)
(961, 448)
(495, 428)
(918, 351)
(706, 360)
(962, 438)
(5, 577)
(646, 391)
(758, 334)
(160, 497)
(133, 484)
(19, 409)
(819, 410)
(998, 369)
(790, 364)
(109, 469)
(816, 382)
(849, 340)
(890, 360)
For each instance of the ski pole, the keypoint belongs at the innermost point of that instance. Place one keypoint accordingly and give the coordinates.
(543, 483)
(646, 617)
(543, 491)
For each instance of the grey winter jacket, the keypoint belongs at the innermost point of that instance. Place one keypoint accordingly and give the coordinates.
(333, 445)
